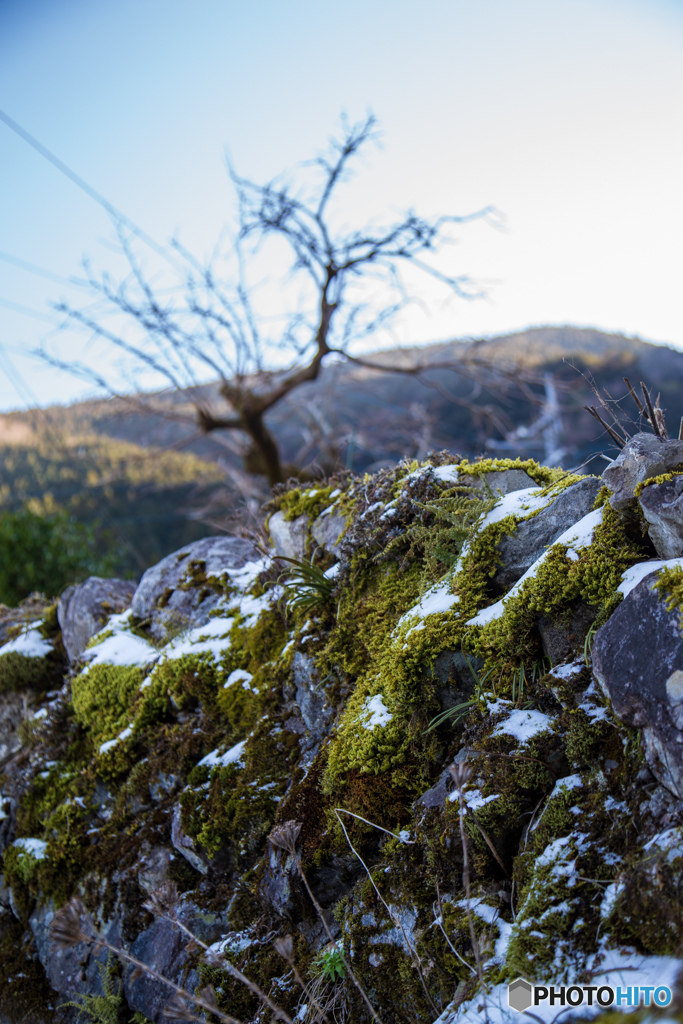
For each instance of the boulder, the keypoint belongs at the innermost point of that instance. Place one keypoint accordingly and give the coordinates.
(288, 536)
(662, 506)
(84, 608)
(519, 550)
(645, 456)
(326, 532)
(165, 596)
(638, 661)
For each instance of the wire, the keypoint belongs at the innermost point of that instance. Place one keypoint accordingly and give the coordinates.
(81, 183)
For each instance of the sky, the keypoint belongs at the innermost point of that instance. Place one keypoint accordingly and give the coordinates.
(564, 115)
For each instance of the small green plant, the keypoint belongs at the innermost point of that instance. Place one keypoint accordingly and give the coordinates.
(460, 711)
(103, 1009)
(328, 964)
(306, 585)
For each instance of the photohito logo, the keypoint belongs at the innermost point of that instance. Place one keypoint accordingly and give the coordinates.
(522, 994)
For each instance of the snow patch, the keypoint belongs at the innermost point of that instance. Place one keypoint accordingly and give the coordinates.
(523, 725)
(30, 644)
(633, 576)
(378, 712)
(232, 756)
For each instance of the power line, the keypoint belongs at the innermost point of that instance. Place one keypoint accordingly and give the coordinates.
(81, 183)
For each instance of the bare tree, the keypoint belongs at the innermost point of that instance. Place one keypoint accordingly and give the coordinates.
(211, 324)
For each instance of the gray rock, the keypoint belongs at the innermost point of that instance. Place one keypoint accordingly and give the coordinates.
(288, 536)
(638, 661)
(163, 946)
(438, 794)
(519, 550)
(84, 608)
(563, 639)
(153, 867)
(279, 885)
(501, 481)
(662, 506)
(643, 457)
(316, 711)
(326, 532)
(12, 713)
(185, 845)
(166, 596)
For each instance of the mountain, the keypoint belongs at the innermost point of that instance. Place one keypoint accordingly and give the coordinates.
(152, 482)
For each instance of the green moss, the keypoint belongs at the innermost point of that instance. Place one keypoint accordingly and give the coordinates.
(655, 480)
(102, 697)
(299, 501)
(669, 586)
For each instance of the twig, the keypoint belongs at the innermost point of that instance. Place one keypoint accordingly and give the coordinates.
(396, 920)
(285, 836)
(650, 410)
(461, 773)
(619, 441)
(439, 920)
(487, 840)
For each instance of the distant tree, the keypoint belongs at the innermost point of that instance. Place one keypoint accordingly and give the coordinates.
(45, 552)
(211, 323)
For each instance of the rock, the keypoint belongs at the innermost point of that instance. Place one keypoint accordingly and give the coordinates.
(326, 532)
(153, 867)
(288, 536)
(501, 481)
(185, 845)
(316, 711)
(163, 946)
(84, 608)
(662, 506)
(564, 638)
(438, 794)
(162, 597)
(519, 550)
(638, 661)
(279, 885)
(12, 714)
(645, 456)
(455, 675)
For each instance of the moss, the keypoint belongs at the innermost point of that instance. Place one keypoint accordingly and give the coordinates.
(102, 698)
(299, 501)
(656, 480)
(669, 586)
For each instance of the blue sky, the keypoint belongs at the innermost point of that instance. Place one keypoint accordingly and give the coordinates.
(564, 114)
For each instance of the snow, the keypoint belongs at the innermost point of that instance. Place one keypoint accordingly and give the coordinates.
(473, 799)
(333, 571)
(120, 649)
(578, 536)
(526, 501)
(244, 577)
(447, 474)
(633, 576)
(569, 782)
(30, 644)
(40, 713)
(669, 842)
(523, 725)
(239, 676)
(568, 670)
(390, 510)
(210, 638)
(435, 600)
(109, 744)
(232, 756)
(36, 847)
(379, 713)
